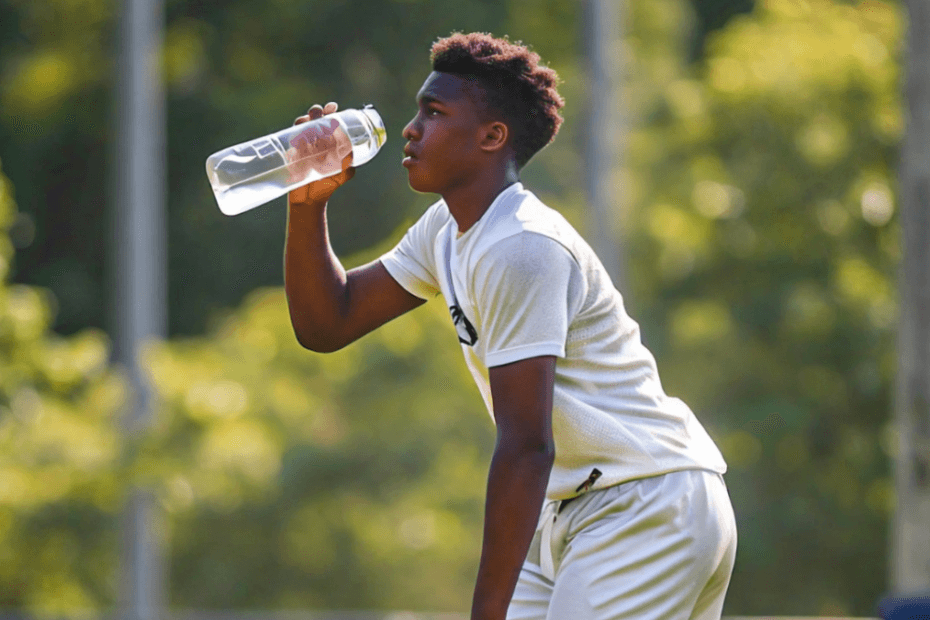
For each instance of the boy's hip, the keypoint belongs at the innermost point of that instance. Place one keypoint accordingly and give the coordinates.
(691, 505)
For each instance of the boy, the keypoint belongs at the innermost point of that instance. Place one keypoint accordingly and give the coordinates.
(605, 497)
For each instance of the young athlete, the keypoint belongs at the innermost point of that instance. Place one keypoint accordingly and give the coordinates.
(605, 497)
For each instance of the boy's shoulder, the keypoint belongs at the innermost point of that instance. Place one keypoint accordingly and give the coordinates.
(430, 223)
(436, 213)
(525, 214)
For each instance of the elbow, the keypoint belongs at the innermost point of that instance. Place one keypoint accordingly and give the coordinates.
(539, 454)
(316, 343)
(315, 347)
(315, 337)
(547, 455)
(543, 451)
(542, 459)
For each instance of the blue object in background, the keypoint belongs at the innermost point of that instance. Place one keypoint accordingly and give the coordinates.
(904, 608)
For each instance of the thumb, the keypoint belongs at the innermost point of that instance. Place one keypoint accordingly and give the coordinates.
(345, 175)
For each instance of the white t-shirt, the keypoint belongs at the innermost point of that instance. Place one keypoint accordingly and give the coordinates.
(520, 283)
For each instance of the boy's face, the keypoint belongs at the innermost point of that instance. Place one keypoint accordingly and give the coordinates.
(443, 138)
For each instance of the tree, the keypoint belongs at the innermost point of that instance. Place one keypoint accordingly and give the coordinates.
(235, 70)
(349, 480)
(605, 131)
(910, 545)
(762, 246)
(60, 452)
(767, 244)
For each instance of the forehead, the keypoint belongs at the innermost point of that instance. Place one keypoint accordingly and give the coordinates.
(450, 88)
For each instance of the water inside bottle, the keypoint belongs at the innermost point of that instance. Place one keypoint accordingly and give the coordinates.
(252, 173)
(234, 199)
(247, 175)
(263, 182)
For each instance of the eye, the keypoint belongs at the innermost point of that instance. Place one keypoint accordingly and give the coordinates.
(432, 112)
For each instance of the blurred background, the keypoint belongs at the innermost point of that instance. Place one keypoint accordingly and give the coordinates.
(753, 211)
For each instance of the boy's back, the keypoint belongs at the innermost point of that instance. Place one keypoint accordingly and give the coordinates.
(522, 282)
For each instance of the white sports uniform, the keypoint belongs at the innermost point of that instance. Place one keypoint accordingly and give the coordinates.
(521, 283)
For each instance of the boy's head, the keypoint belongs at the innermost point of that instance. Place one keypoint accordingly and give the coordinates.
(513, 85)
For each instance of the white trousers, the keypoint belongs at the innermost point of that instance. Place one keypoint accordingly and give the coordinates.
(658, 548)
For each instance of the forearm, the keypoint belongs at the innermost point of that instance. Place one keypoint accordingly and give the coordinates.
(516, 490)
(314, 280)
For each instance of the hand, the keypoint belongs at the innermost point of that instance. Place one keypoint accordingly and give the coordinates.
(319, 192)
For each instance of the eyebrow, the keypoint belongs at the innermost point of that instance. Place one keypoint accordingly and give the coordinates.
(428, 99)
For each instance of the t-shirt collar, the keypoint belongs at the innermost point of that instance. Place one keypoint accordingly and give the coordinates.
(505, 194)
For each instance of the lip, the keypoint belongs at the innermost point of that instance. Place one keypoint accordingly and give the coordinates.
(411, 156)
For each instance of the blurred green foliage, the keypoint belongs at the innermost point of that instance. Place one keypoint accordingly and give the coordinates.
(342, 481)
(763, 254)
(234, 70)
(760, 234)
(60, 451)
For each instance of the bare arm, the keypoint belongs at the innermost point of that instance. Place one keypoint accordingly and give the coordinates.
(329, 307)
(523, 457)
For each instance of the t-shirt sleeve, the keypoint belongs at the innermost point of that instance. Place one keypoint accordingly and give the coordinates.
(411, 261)
(530, 288)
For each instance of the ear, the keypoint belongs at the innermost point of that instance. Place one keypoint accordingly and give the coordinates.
(494, 136)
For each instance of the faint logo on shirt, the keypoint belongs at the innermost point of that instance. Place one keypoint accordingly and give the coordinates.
(465, 330)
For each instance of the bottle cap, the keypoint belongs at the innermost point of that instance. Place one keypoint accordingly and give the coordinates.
(380, 132)
(366, 132)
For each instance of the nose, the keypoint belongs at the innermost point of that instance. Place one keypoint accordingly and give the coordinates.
(412, 130)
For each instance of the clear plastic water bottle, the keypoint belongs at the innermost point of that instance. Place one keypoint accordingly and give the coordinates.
(250, 174)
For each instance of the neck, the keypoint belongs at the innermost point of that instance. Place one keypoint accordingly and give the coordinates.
(469, 202)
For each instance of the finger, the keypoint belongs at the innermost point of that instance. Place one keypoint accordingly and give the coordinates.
(330, 107)
(347, 162)
(343, 177)
(347, 167)
(301, 119)
(298, 194)
(315, 112)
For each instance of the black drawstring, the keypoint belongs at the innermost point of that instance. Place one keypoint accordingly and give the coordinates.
(584, 487)
(587, 484)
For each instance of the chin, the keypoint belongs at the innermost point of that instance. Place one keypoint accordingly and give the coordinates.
(422, 183)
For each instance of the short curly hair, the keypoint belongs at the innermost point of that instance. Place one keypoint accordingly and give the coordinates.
(516, 85)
